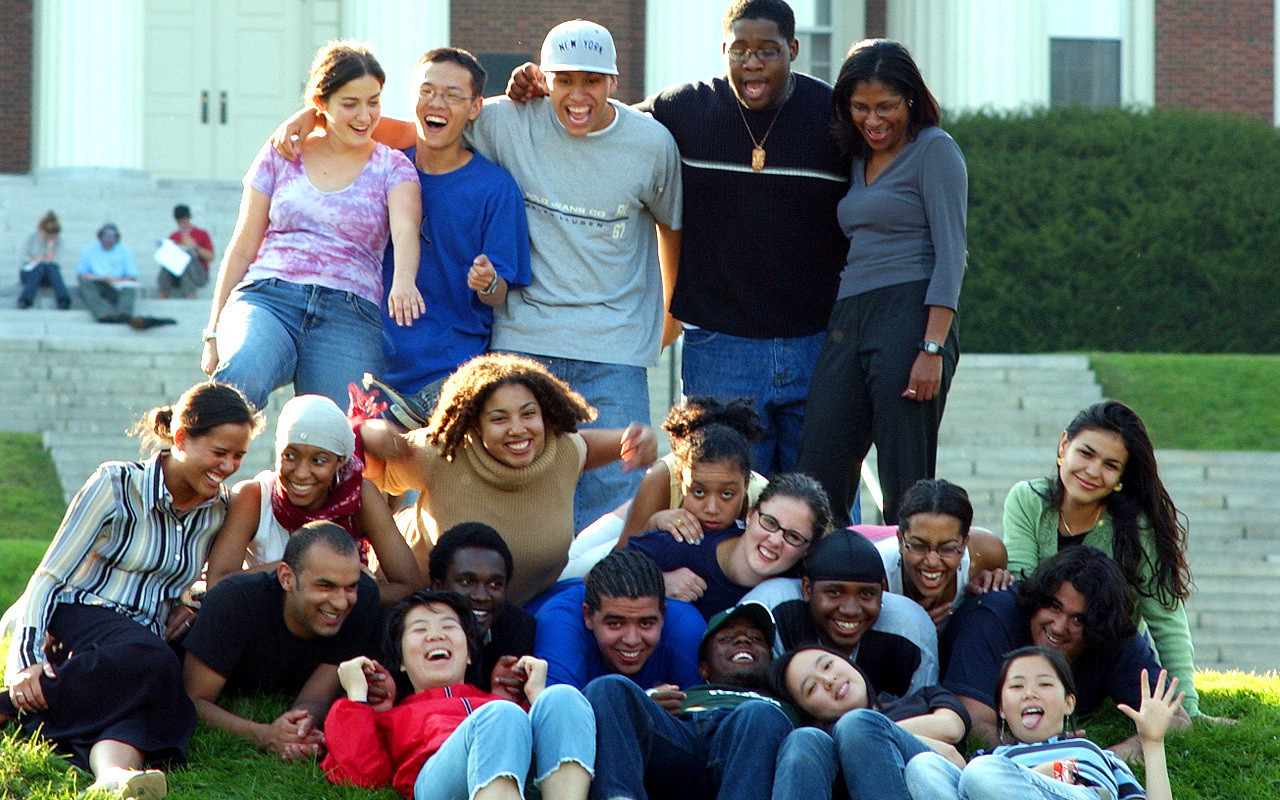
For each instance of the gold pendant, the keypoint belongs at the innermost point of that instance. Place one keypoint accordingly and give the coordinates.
(757, 158)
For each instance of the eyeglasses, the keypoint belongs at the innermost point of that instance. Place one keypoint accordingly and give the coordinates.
(947, 552)
(859, 111)
(765, 54)
(450, 97)
(770, 523)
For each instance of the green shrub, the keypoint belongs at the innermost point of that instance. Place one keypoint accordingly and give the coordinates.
(1121, 231)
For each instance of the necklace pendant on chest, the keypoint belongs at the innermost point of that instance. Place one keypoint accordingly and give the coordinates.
(757, 158)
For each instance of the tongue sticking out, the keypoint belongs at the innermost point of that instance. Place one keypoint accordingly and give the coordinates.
(1030, 719)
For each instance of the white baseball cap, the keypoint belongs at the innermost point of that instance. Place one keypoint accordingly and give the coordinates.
(579, 46)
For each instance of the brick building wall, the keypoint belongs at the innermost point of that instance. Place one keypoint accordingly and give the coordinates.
(1216, 55)
(519, 26)
(15, 89)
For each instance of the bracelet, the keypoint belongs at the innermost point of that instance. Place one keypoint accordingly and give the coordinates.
(491, 288)
(208, 335)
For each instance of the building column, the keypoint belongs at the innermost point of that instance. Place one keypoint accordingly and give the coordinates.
(990, 54)
(400, 34)
(88, 83)
(681, 42)
(1138, 55)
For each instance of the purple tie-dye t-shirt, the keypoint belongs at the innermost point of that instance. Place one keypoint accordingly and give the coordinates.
(332, 239)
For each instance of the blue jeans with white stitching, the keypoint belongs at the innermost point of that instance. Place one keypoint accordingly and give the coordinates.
(273, 331)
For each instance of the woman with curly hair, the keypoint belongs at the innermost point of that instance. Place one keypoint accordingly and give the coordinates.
(502, 448)
(1107, 493)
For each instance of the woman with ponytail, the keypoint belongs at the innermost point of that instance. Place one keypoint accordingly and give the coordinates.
(90, 667)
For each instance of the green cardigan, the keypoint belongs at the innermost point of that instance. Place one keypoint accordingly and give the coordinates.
(1031, 536)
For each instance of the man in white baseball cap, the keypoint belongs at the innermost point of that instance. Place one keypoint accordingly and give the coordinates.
(598, 178)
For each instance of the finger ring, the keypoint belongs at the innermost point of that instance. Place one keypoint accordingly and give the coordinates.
(187, 623)
(911, 391)
(19, 694)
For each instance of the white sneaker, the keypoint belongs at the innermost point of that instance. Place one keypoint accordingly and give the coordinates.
(130, 784)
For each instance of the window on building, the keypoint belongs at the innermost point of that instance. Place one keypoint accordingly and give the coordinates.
(497, 68)
(1084, 71)
(815, 39)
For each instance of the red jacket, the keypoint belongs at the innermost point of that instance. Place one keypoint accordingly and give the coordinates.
(372, 749)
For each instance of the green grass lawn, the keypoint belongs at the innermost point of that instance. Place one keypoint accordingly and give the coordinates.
(30, 496)
(1198, 402)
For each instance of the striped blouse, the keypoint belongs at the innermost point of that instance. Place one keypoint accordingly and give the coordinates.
(123, 546)
(1097, 767)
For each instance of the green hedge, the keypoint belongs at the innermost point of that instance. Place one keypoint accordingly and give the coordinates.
(1121, 231)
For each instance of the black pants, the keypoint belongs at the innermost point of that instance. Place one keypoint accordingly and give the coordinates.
(855, 398)
(120, 681)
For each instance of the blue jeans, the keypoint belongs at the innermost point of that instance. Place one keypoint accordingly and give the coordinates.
(43, 273)
(869, 748)
(620, 395)
(932, 777)
(272, 332)
(501, 740)
(775, 373)
(716, 753)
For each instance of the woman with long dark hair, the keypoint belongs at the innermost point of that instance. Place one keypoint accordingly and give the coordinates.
(1107, 493)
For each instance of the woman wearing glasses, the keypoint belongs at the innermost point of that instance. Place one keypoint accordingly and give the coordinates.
(791, 515)
(936, 558)
(891, 346)
(300, 286)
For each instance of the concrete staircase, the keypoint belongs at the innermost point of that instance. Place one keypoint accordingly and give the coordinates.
(86, 197)
(83, 384)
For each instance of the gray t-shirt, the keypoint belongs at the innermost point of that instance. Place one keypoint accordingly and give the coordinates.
(908, 225)
(592, 202)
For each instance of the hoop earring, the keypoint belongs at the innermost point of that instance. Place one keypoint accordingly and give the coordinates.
(1119, 486)
(1059, 460)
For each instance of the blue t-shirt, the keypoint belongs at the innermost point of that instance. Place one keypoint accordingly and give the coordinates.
(670, 554)
(989, 625)
(573, 657)
(474, 209)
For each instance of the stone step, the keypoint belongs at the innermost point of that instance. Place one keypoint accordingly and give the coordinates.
(1235, 619)
(141, 207)
(1259, 659)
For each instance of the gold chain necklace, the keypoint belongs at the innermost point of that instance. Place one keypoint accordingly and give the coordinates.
(757, 152)
(1096, 518)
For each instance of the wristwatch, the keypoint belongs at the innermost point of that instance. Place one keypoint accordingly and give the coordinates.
(208, 335)
(931, 347)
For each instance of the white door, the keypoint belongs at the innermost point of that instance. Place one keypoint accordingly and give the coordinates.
(219, 76)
